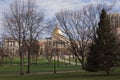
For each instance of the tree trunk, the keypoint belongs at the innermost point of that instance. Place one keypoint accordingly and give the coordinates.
(21, 59)
(28, 66)
(64, 61)
(2, 61)
(107, 72)
(58, 59)
(54, 64)
(76, 61)
(36, 59)
(21, 64)
(82, 62)
(69, 58)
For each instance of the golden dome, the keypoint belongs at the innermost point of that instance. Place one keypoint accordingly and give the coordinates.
(57, 30)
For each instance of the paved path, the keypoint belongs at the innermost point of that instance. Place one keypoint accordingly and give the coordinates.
(73, 63)
(40, 73)
(66, 61)
(56, 72)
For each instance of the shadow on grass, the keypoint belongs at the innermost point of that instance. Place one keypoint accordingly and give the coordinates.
(85, 75)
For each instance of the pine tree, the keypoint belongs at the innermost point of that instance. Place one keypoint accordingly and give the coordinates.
(103, 50)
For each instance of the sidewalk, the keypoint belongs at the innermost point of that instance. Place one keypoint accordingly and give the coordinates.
(73, 63)
(56, 72)
(66, 61)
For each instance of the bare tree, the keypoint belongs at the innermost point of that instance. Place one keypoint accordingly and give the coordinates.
(35, 51)
(49, 50)
(51, 25)
(78, 26)
(34, 27)
(76, 33)
(24, 23)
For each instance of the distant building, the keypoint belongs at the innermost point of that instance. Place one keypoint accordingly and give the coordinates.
(10, 46)
(57, 42)
(115, 23)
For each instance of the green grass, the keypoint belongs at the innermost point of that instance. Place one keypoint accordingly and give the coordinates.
(16, 60)
(11, 72)
(41, 67)
(65, 76)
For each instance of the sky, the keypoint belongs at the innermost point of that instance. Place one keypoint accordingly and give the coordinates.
(50, 7)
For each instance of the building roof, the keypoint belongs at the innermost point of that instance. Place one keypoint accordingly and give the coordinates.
(57, 31)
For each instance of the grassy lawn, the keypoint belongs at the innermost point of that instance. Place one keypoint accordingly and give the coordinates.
(43, 67)
(40, 72)
(65, 76)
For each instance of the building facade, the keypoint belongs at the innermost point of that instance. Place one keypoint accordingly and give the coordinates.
(57, 44)
(10, 46)
(115, 23)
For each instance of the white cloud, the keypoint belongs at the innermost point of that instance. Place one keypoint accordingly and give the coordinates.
(52, 6)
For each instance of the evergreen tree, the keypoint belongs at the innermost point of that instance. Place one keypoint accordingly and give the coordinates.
(103, 50)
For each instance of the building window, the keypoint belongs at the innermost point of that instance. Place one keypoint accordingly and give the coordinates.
(7, 44)
(10, 43)
(13, 43)
(53, 43)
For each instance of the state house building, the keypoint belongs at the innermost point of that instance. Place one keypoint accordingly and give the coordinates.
(57, 41)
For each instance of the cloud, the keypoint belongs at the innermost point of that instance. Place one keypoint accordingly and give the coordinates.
(53, 6)
(50, 7)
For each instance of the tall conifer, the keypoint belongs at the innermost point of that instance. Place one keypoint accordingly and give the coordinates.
(104, 47)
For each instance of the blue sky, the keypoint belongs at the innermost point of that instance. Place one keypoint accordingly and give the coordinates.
(50, 7)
